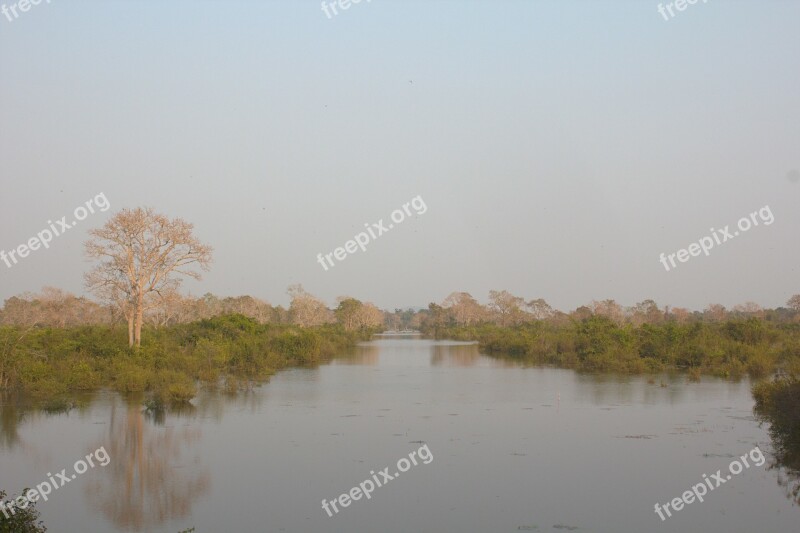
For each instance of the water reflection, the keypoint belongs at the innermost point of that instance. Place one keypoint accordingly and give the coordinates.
(783, 418)
(17, 410)
(363, 354)
(10, 418)
(467, 354)
(460, 355)
(153, 476)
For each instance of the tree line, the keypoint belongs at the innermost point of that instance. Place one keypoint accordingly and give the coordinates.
(142, 257)
(53, 307)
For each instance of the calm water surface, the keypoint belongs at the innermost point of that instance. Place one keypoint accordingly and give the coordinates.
(514, 449)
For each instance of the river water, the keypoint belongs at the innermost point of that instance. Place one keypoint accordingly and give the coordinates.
(499, 448)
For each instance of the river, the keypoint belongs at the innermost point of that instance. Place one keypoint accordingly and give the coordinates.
(509, 449)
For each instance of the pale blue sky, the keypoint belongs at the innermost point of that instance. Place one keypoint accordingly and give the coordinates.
(560, 146)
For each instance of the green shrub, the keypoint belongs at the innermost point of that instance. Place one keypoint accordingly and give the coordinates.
(22, 520)
(173, 387)
(81, 376)
(298, 345)
(127, 377)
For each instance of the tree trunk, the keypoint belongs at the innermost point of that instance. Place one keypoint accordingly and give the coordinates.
(130, 329)
(138, 318)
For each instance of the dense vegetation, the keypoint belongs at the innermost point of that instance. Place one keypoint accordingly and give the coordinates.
(778, 404)
(229, 351)
(731, 348)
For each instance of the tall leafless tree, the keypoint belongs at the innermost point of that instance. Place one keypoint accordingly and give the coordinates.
(142, 254)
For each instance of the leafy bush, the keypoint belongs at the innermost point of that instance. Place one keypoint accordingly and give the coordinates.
(22, 520)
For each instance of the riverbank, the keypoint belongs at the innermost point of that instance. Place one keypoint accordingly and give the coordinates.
(230, 352)
(729, 349)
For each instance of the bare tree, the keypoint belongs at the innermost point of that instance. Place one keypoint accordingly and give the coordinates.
(254, 308)
(54, 308)
(794, 303)
(715, 312)
(609, 309)
(307, 310)
(23, 311)
(369, 316)
(749, 309)
(464, 308)
(540, 309)
(142, 253)
(681, 314)
(166, 309)
(507, 307)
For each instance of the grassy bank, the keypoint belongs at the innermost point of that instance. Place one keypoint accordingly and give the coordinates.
(230, 351)
(729, 349)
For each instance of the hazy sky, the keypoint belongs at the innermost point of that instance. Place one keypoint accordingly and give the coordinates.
(560, 146)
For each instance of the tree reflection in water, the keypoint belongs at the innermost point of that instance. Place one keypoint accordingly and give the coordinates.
(153, 476)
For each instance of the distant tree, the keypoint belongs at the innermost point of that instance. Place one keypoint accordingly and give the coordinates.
(681, 314)
(609, 309)
(507, 307)
(307, 310)
(582, 313)
(417, 320)
(794, 303)
(436, 316)
(646, 312)
(141, 254)
(464, 309)
(393, 320)
(52, 307)
(749, 309)
(62, 309)
(410, 319)
(248, 306)
(715, 313)
(211, 306)
(347, 312)
(540, 309)
(23, 311)
(169, 308)
(369, 316)
(280, 315)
